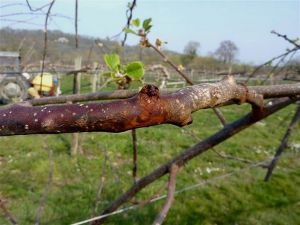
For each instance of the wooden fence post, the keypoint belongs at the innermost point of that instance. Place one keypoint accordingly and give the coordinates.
(94, 77)
(76, 90)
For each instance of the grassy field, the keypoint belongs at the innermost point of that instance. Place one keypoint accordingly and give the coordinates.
(241, 197)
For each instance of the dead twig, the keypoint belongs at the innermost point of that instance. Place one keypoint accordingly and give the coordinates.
(6, 213)
(45, 41)
(283, 144)
(101, 183)
(293, 42)
(76, 24)
(48, 185)
(129, 17)
(170, 197)
(134, 146)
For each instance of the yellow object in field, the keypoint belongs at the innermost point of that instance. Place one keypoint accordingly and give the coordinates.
(47, 82)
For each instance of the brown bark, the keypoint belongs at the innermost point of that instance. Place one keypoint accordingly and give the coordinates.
(147, 108)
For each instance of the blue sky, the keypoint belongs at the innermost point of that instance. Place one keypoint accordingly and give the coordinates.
(247, 23)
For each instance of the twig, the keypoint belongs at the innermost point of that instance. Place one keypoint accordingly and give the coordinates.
(196, 150)
(286, 38)
(48, 186)
(45, 41)
(101, 182)
(283, 144)
(134, 146)
(76, 23)
(6, 213)
(37, 9)
(170, 198)
(167, 60)
(220, 115)
(225, 156)
(130, 11)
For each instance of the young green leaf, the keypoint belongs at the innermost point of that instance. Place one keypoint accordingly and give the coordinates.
(135, 70)
(112, 61)
(129, 31)
(136, 22)
(147, 24)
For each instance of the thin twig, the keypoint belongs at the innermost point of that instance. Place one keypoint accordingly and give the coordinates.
(101, 182)
(170, 198)
(6, 213)
(48, 186)
(284, 36)
(45, 41)
(130, 11)
(134, 146)
(167, 60)
(283, 144)
(76, 23)
(220, 115)
(225, 156)
(36, 9)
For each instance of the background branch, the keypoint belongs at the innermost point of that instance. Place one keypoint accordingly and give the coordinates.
(283, 143)
(170, 198)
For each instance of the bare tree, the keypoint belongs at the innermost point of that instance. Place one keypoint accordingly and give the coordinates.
(227, 51)
(190, 52)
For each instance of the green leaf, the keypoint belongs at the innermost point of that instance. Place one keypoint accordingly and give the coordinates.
(129, 31)
(146, 24)
(112, 61)
(135, 70)
(136, 22)
(148, 29)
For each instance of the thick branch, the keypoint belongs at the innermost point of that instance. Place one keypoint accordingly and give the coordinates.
(147, 108)
(196, 150)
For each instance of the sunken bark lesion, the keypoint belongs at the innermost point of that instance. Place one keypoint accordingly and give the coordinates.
(147, 108)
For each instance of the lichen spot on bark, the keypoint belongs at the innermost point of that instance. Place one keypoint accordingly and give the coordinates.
(48, 124)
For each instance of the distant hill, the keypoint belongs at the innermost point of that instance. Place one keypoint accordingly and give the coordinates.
(61, 47)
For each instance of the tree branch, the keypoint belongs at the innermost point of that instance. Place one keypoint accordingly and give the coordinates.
(170, 197)
(6, 213)
(283, 144)
(147, 108)
(196, 150)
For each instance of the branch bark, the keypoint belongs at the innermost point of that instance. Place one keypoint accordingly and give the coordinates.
(147, 108)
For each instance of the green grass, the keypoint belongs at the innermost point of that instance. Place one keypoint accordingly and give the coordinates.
(242, 198)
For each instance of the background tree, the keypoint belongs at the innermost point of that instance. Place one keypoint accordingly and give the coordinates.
(227, 51)
(190, 52)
